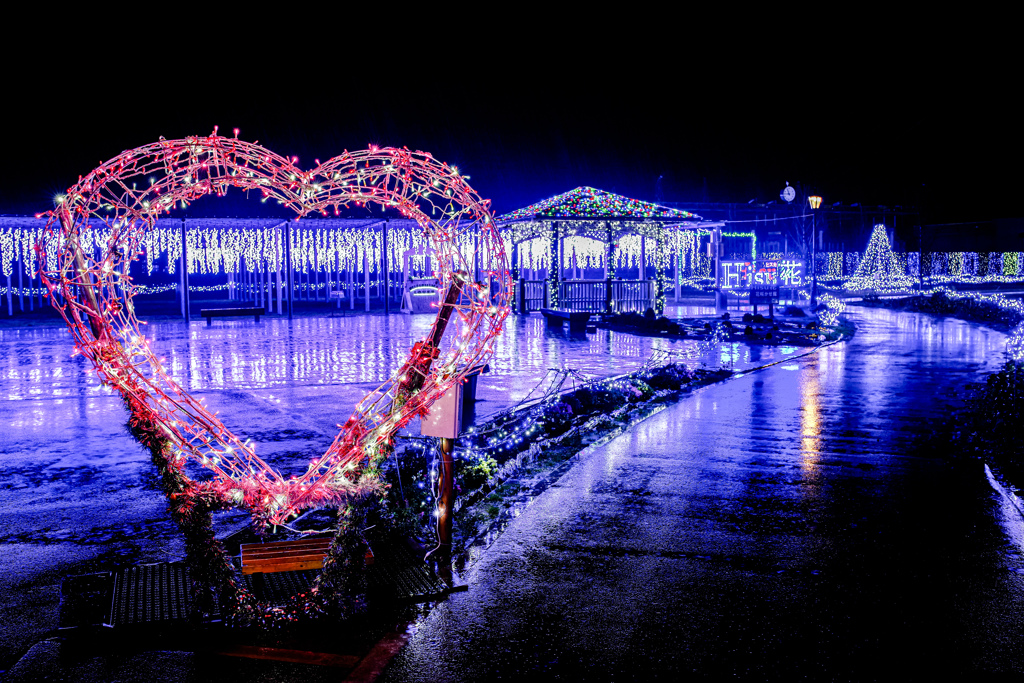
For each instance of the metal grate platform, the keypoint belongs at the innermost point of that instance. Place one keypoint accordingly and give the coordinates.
(160, 593)
(151, 593)
(401, 574)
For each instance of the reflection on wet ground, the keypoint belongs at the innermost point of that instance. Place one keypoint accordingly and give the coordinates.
(782, 524)
(74, 487)
(787, 524)
(286, 383)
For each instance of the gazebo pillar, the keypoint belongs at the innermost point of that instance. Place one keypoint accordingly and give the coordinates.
(679, 273)
(659, 272)
(186, 304)
(517, 280)
(289, 277)
(554, 265)
(385, 268)
(609, 269)
(643, 258)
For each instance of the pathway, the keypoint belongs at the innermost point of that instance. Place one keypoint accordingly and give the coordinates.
(781, 525)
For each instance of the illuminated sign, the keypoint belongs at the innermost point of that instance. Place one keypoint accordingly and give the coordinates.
(764, 282)
(791, 273)
(736, 274)
(762, 274)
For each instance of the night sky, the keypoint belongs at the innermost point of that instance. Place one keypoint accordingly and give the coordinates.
(935, 130)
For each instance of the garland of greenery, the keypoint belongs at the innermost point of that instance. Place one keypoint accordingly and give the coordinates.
(214, 580)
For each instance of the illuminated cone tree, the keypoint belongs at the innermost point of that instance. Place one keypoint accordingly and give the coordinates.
(879, 269)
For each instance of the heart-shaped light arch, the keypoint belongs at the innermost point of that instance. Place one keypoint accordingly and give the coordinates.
(127, 194)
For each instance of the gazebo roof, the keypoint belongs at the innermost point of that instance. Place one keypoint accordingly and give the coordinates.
(588, 203)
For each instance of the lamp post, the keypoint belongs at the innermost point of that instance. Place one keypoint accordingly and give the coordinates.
(815, 202)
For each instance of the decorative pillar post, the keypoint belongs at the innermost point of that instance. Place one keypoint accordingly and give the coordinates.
(716, 247)
(609, 269)
(385, 269)
(554, 266)
(350, 273)
(316, 265)
(643, 258)
(679, 272)
(261, 279)
(516, 270)
(366, 278)
(659, 272)
(277, 262)
(185, 303)
(289, 272)
(21, 289)
(520, 284)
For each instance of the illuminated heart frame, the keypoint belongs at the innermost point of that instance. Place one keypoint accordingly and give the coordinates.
(125, 196)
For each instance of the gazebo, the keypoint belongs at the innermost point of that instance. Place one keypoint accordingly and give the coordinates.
(602, 218)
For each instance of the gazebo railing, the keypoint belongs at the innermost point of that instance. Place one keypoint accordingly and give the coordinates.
(596, 296)
(632, 295)
(583, 295)
(531, 295)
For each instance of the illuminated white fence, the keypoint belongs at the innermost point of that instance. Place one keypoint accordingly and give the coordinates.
(352, 257)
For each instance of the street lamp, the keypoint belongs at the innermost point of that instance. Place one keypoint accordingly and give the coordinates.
(815, 202)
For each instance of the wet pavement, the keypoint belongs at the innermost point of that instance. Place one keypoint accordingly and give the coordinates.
(786, 524)
(78, 495)
(783, 523)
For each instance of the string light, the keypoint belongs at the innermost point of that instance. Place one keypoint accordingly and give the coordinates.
(96, 290)
(601, 228)
(753, 240)
(878, 269)
(589, 202)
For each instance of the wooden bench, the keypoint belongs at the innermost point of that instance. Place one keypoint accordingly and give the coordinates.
(284, 556)
(557, 317)
(211, 313)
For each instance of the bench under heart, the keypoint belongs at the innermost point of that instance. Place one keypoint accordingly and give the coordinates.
(121, 200)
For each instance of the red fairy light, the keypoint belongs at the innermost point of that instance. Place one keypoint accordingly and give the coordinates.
(97, 319)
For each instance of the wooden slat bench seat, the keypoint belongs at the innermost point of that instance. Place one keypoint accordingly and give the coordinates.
(557, 317)
(284, 556)
(211, 313)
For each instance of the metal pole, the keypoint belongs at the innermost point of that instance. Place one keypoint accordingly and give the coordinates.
(814, 260)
